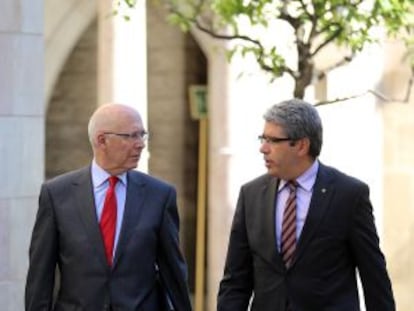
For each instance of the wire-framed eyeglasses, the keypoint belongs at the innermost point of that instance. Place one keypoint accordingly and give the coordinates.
(140, 135)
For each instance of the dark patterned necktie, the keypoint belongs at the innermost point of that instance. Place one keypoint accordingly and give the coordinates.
(288, 241)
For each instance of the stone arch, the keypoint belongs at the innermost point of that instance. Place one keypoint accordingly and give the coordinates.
(70, 82)
(65, 22)
(72, 101)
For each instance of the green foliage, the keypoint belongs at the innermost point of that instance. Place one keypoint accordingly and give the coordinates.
(350, 24)
(118, 8)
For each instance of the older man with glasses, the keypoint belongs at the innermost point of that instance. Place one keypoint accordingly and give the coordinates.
(111, 231)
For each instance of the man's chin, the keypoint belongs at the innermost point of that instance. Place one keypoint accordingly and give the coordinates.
(133, 165)
(272, 173)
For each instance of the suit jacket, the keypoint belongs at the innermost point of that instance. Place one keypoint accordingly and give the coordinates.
(66, 234)
(338, 236)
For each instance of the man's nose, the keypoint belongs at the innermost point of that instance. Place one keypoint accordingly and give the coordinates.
(264, 148)
(140, 143)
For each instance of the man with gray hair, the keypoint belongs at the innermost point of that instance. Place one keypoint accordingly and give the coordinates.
(301, 231)
(111, 231)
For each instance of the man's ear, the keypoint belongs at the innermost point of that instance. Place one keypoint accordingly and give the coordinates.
(303, 146)
(101, 139)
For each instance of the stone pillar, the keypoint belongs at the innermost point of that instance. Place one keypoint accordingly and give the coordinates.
(122, 59)
(105, 52)
(219, 212)
(399, 175)
(21, 140)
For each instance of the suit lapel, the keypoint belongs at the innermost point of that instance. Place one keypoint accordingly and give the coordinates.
(135, 196)
(269, 221)
(87, 211)
(323, 191)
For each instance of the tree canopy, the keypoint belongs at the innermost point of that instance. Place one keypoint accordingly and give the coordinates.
(315, 24)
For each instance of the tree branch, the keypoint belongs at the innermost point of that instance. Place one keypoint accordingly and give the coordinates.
(289, 19)
(257, 43)
(340, 63)
(314, 22)
(196, 21)
(377, 94)
(328, 40)
(303, 5)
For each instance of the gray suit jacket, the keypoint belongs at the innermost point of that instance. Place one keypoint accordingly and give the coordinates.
(66, 234)
(338, 236)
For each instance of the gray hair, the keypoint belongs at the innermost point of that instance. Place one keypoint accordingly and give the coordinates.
(298, 119)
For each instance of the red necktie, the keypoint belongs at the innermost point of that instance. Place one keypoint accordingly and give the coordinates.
(108, 219)
(289, 225)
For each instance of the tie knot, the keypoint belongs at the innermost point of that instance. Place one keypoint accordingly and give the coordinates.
(112, 181)
(292, 185)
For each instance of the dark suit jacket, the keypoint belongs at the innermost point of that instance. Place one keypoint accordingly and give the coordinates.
(339, 236)
(66, 234)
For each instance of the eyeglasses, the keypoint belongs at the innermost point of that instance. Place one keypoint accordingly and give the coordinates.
(142, 135)
(273, 140)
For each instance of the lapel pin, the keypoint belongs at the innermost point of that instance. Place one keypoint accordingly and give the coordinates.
(323, 190)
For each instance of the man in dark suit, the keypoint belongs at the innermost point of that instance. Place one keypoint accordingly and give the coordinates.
(111, 231)
(301, 232)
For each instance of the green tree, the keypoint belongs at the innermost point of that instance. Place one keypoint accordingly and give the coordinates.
(316, 24)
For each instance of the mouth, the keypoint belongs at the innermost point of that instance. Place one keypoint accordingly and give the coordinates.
(267, 163)
(136, 157)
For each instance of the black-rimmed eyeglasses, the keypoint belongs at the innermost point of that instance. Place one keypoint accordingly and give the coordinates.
(142, 135)
(273, 140)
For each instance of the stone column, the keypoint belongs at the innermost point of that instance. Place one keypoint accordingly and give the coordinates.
(122, 59)
(21, 140)
(398, 175)
(220, 207)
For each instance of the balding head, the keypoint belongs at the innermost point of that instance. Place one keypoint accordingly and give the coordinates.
(109, 117)
(117, 137)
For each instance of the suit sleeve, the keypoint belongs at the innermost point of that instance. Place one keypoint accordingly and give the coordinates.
(236, 285)
(42, 257)
(369, 258)
(171, 263)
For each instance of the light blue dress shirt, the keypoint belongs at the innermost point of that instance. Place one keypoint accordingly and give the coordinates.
(303, 198)
(100, 185)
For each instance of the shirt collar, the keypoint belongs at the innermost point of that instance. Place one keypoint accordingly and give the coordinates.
(306, 180)
(99, 175)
